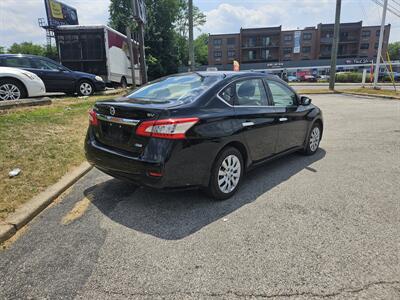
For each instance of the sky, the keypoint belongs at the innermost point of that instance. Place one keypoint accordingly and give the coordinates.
(18, 18)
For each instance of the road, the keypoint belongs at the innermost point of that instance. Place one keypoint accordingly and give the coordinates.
(325, 226)
(338, 86)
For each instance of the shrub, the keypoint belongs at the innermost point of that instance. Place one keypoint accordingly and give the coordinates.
(349, 77)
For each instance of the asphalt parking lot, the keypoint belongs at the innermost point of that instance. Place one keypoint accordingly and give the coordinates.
(325, 226)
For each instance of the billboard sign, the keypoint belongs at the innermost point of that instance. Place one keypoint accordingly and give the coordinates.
(59, 13)
(296, 48)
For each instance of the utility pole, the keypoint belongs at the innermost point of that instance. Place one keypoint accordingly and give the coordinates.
(142, 53)
(336, 31)
(191, 45)
(139, 14)
(381, 35)
(130, 47)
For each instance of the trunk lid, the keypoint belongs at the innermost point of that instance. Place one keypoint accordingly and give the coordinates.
(119, 119)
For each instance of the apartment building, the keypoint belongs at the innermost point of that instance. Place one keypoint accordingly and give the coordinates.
(274, 45)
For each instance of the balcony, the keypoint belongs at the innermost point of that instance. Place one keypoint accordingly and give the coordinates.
(259, 45)
(326, 40)
(348, 39)
(258, 59)
(348, 53)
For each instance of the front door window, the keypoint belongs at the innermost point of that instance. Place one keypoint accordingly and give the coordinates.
(281, 95)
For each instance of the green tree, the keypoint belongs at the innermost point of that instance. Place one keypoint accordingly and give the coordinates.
(182, 29)
(120, 11)
(34, 49)
(394, 50)
(201, 49)
(2, 50)
(160, 37)
(165, 32)
(27, 48)
(182, 23)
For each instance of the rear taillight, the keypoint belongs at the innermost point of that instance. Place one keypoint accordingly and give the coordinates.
(167, 128)
(93, 118)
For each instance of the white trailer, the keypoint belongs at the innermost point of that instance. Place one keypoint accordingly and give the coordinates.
(97, 49)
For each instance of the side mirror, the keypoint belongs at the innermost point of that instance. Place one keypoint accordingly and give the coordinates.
(304, 100)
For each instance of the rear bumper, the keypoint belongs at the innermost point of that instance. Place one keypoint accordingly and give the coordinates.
(180, 164)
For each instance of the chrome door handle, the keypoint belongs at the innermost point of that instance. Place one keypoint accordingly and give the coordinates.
(246, 124)
(282, 119)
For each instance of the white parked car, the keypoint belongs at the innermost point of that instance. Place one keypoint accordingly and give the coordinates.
(18, 84)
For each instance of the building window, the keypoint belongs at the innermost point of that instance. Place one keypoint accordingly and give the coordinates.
(378, 32)
(307, 36)
(231, 53)
(306, 49)
(217, 53)
(231, 41)
(287, 50)
(364, 46)
(251, 42)
(252, 55)
(217, 42)
(287, 37)
(265, 54)
(365, 34)
(266, 41)
(376, 46)
(327, 35)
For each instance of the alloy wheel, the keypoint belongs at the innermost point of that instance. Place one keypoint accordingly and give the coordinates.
(9, 91)
(86, 89)
(229, 174)
(314, 139)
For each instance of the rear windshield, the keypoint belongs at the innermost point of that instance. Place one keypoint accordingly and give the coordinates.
(181, 88)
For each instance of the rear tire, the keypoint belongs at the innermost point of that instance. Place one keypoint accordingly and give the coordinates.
(124, 83)
(85, 88)
(226, 174)
(11, 89)
(313, 140)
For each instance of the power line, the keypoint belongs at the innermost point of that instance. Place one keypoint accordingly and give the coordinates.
(390, 8)
(396, 2)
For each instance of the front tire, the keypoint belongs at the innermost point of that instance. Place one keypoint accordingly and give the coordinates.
(85, 88)
(226, 174)
(313, 140)
(12, 90)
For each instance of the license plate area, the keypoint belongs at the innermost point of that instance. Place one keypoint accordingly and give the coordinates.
(117, 133)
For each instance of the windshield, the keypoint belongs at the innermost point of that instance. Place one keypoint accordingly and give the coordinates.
(181, 88)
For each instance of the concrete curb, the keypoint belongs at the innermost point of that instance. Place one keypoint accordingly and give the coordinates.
(350, 94)
(38, 203)
(113, 92)
(370, 95)
(24, 102)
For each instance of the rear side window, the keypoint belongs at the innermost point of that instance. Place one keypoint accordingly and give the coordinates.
(281, 94)
(250, 92)
(17, 62)
(45, 65)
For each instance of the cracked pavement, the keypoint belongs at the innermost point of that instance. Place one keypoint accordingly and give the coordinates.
(318, 227)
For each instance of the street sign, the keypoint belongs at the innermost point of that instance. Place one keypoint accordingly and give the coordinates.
(139, 11)
(59, 13)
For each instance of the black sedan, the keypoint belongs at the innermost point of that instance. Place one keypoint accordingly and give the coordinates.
(203, 129)
(55, 77)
